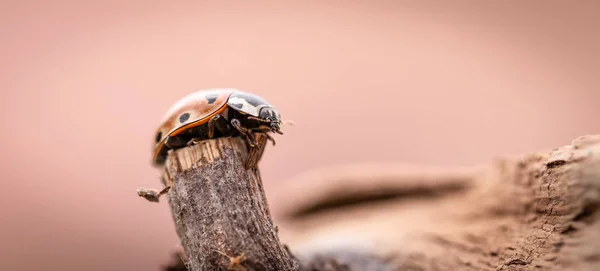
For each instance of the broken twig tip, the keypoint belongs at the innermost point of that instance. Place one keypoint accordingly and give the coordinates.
(152, 195)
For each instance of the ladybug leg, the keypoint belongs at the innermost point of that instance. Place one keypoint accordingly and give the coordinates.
(211, 125)
(251, 140)
(193, 141)
(220, 123)
(270, 138)
(258, 119)
(244, 131)
(264, 131)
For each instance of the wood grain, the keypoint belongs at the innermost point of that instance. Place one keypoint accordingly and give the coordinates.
(220, 209)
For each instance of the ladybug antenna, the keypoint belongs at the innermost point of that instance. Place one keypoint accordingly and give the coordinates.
(289, 122)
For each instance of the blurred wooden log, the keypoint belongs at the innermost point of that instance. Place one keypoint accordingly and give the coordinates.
(535, 212)
(220, 210)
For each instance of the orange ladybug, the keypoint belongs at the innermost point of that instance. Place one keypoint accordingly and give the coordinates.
(207, 114)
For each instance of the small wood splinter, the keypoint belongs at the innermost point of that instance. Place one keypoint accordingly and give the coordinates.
(235, 263)
(152, 195)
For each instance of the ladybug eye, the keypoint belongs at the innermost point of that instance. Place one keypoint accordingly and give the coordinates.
(158, 137)
(184, 117)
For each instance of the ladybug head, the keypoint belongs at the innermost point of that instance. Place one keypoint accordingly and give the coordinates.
(271, 117)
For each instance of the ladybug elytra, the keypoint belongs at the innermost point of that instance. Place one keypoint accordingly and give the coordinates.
(208, 114)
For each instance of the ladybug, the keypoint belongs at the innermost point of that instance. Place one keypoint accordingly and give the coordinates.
(208, 114)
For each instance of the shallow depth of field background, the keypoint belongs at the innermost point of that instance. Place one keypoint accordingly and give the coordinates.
(84, 85)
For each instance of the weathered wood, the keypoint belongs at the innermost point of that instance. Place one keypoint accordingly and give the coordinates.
(534, 212)
(220, 209)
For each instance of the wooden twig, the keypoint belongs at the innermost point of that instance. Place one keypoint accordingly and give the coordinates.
(220, 209)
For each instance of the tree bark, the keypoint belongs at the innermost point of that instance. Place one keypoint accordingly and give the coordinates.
(220, 209)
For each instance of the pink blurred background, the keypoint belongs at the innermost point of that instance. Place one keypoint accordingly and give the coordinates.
(84, 85)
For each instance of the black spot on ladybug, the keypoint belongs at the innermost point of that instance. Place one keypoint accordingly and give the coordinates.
(184, 117)
(255, 101)
(249, 98)
(212, 97)
(158, 137)
(237, 106)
